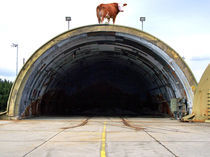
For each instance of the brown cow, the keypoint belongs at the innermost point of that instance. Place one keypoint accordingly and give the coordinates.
(108, 11)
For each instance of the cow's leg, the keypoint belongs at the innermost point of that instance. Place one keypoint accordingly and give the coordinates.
(102, 19)
(108, 20)
(114, 20)
(99, 20)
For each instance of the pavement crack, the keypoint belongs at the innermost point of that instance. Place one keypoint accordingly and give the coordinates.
(161, 143)
(43, 143)
(81, 124)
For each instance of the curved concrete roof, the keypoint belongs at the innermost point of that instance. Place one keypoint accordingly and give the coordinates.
(201, 106)
(49, 67)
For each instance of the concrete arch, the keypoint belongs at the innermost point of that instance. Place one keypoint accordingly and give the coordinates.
(96, 52)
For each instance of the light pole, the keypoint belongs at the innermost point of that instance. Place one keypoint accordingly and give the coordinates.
(68, 19)
(142, 19)
(16, 45)
(24, 61)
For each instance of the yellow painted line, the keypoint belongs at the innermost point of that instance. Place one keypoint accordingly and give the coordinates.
(103, 142)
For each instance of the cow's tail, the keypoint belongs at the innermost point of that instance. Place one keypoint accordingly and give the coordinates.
(98, 12)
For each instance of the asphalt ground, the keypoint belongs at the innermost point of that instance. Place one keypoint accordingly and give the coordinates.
(103, 137)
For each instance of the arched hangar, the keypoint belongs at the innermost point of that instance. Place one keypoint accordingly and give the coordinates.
(101, 70)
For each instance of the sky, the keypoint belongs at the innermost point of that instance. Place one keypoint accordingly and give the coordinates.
(182, 24)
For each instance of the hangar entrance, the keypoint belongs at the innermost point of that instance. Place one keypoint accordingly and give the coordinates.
(104, 88)
(101, 70)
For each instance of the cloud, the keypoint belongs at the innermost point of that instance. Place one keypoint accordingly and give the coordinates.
(7, 73)
(203, 58)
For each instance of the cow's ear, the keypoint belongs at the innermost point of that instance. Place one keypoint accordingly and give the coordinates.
(124, 4)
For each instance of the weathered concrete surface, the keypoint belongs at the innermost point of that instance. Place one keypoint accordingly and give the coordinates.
(78, 137)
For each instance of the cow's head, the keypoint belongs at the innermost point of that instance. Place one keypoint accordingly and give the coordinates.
(120, 7)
